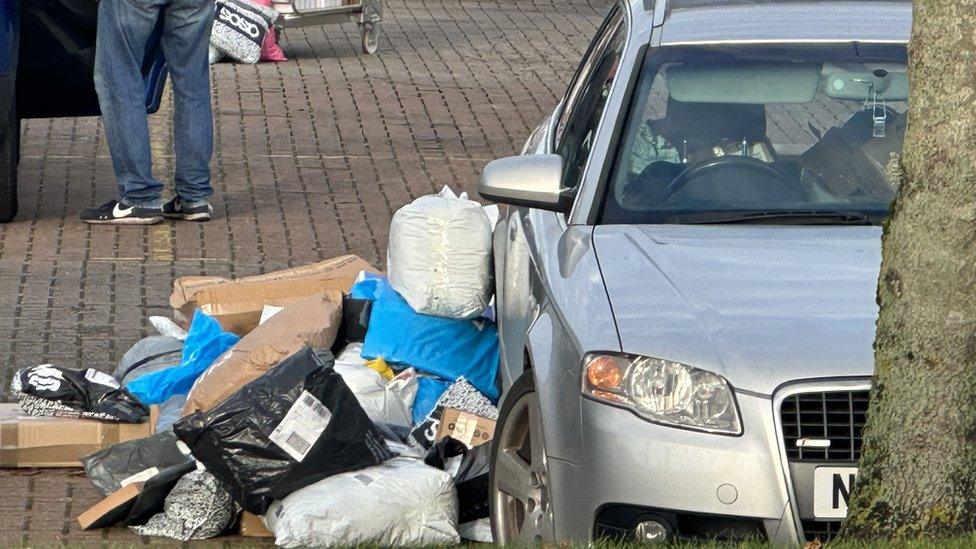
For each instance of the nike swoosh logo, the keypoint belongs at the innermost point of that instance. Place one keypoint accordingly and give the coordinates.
(119, 212)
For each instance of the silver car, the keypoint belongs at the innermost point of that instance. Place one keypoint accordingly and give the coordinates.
(686, 273)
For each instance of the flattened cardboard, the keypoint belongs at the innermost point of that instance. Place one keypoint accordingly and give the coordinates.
(252, 526)
(237, 303)
(313, 321)
(466, 427)
(111, 510)
(33, 441)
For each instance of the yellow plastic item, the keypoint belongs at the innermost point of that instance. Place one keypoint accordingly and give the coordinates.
(382, 367)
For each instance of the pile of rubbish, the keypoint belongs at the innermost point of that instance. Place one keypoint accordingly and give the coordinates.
(328, 404)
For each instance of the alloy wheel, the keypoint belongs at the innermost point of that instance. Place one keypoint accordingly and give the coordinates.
(521, 504)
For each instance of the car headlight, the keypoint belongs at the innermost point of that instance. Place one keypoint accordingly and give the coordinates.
(662, 391)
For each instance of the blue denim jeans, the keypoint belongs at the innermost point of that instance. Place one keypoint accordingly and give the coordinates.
(125, 27)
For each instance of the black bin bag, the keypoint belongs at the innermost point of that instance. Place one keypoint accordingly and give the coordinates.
(355, 322)
(296, 424)
(107, 468)
(471, 477)
(49, 390)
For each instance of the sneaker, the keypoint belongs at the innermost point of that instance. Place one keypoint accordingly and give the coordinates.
(116, 212)
(192, 211)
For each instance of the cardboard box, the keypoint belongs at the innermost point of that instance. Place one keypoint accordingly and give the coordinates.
(466, 427)
(111, 510)
(252, 526)
(312, 321)
(33, 441)
(237, 303)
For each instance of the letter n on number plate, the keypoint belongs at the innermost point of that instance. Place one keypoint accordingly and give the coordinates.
(832, 491)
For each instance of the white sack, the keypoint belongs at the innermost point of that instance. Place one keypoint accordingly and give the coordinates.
(386, 402)
(402, 502)
(439, 256)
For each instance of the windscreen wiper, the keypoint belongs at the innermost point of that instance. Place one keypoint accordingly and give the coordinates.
(773, 218)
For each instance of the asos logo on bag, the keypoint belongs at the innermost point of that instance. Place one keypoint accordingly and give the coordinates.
(235, 20)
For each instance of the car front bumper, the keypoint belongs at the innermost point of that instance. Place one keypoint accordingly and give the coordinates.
(628, 462)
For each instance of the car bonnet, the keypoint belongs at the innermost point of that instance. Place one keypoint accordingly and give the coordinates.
(760, 305)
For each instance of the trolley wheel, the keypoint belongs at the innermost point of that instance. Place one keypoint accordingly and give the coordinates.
(371, 37)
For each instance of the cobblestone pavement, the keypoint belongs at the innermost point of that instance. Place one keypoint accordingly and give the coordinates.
(312, 158)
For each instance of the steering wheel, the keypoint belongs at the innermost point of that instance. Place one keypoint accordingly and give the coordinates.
(714, 165)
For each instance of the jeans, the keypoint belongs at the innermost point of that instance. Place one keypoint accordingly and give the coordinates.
(125, 27)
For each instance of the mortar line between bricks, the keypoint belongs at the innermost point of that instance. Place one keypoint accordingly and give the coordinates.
(247, 169)
(317, 137)
(274, 177)
(12, 362)
(299, 172)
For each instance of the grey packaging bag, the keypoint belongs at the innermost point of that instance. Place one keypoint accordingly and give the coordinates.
(240, 27)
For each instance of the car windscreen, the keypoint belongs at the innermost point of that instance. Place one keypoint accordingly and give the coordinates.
(785, 134)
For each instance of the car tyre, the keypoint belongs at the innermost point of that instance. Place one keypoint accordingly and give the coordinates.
(9, 155)
(519, 496)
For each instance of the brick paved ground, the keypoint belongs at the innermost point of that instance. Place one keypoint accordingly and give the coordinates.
(312, 158)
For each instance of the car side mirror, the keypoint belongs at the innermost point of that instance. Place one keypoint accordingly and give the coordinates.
(532, 180)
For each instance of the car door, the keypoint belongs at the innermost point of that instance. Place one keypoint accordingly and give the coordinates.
(57, 56)
(530, 238)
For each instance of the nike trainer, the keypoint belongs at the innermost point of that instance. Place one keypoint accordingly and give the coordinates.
(119, 213)
(177, 208)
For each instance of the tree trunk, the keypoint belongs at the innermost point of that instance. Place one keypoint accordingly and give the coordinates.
(918, 467)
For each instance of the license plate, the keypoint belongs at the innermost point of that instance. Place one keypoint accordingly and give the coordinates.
(832, 491)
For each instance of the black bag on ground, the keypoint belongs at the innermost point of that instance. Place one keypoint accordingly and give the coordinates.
(48, 390)
(107, 468)
(471, 482)
(296, 424)
(471, 477)
(154, 491)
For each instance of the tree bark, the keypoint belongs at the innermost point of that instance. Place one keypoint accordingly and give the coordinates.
(918, 466)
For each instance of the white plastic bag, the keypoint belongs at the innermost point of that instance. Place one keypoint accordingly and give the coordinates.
(402, 502)
(166, 327)
(439, 256)
(387, 402)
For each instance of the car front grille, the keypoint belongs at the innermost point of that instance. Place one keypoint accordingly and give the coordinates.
(823, 531)
(837, 416)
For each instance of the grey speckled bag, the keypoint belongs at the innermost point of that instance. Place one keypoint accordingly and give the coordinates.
(197, 508)
(240, 27)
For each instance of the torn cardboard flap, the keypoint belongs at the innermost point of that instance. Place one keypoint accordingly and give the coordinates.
(465, 427)
(238, 303)
(35, 441)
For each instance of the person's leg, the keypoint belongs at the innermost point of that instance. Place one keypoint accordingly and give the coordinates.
(124, 28)
(186, 37)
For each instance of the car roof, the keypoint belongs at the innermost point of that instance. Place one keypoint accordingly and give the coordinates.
(758, 21)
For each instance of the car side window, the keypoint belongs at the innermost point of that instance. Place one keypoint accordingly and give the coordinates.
(586, 102)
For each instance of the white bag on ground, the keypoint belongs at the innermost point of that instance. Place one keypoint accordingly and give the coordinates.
(439, 256)
(386, 402)
(402, 502)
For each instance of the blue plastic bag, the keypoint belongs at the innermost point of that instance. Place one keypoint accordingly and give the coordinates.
(204, 343)
(429, 389)
(368, 287)
(445, 347)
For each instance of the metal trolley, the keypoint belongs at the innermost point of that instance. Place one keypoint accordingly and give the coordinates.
(303, 13)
